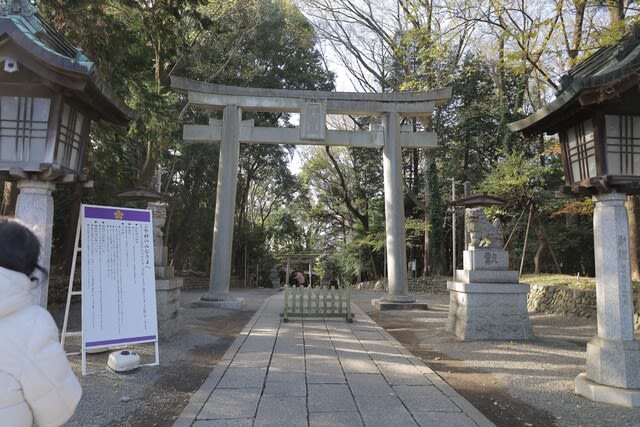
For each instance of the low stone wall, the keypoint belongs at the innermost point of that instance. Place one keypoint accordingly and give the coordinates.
(562, 300)
(570, 302)
(419, 285)
(195, 282)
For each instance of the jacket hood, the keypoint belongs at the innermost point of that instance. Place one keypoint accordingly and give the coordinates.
(16, 291)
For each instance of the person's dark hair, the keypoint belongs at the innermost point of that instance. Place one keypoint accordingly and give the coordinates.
(19, 247)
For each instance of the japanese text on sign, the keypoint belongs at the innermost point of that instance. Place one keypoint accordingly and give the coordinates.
(118, 277)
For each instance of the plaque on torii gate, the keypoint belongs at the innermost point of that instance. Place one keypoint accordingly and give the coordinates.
(313, 107)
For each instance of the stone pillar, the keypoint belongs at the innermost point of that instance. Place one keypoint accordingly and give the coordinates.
(397, 296)
(35, 208)
(613, 357)
(169, 311)
(225, 205)
(394, 211)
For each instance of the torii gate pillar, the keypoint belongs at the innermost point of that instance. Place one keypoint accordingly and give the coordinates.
(394, 212)
(225, 206)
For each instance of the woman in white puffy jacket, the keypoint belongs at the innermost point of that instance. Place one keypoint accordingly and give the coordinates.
(37, 385)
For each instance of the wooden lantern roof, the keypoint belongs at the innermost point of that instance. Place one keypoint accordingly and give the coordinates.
(53, 62)
(611, 75)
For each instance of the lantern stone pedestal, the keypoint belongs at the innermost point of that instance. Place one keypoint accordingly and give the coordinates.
(168, 287)
(34, 206)
(486, 301)
(613, 357)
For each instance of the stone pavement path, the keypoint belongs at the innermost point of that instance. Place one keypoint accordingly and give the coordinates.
(316, 372)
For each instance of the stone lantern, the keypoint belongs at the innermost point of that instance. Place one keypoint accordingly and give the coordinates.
(49, 95)
(597, 116)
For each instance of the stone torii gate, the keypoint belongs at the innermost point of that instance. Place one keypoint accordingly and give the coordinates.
(313, 106)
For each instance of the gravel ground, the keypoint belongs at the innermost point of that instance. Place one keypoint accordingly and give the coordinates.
(155, 395)
(532, 381)
(512, 383)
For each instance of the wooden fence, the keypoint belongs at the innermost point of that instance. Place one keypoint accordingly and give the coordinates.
(317, 302)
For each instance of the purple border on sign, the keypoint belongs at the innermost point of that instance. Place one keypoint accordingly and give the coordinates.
(116, 214)
(131, 340)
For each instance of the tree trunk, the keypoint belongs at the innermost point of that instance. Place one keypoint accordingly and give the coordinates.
(544, 240)
(426, 260)
(576, 43)
(65, 256)
(426, 253)
(9, 198)
(538, 257)
(181, 244)
(616, 10)
(443, 259)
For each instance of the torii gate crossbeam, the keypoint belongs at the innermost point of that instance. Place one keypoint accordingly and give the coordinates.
(313, 107)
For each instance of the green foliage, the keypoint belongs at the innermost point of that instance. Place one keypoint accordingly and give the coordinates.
(275, 49)
(337, 205)
(136, 46)
(421, 62)
(471, 131)
(437, 211)
(347, 189)
(521, 181)
(525, 184)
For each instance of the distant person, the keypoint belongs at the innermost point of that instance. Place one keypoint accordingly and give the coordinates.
(37, 385)
(300, 278)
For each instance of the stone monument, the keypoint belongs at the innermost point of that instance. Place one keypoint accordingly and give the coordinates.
(168, 286)
(487, 302)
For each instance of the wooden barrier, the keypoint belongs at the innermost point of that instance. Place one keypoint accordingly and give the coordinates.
(317, 302)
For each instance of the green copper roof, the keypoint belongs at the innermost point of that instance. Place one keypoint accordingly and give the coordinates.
(603, 76)
(21, 22)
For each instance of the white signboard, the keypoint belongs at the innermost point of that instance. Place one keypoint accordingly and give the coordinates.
(118, 277)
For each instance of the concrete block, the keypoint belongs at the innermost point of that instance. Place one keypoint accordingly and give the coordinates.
(384, 411)
(285, 384)
(281, 411)
(419, 398)
(330, 398)
(228, 403)
(243, 377)
(342, 419)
